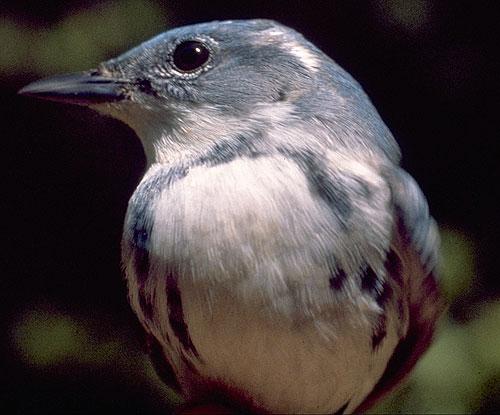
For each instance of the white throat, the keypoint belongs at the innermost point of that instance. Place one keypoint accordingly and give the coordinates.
(169, 136)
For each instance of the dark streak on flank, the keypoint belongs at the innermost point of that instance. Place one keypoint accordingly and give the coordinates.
(394, 267)
(176, 315)
(379, 331)
(384, 295)
(337, 275)
(369, 280)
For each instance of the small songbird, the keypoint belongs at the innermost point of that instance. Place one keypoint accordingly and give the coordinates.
(277, 255)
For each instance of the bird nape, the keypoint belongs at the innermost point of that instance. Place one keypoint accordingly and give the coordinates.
(276, 254)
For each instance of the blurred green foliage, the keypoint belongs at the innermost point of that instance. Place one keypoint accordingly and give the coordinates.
(81, 39)
(45, 339)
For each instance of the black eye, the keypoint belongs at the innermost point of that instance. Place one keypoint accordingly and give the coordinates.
(190, 55)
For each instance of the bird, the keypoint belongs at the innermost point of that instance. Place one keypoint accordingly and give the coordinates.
(277, 255)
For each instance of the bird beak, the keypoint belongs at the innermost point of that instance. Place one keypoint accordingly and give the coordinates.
(83, 88)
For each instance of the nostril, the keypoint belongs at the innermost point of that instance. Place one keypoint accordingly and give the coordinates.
(144, 85)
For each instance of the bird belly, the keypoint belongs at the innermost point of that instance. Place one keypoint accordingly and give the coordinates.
(282, 365)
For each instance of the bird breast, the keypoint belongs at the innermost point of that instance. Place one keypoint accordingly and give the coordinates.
(250, 251)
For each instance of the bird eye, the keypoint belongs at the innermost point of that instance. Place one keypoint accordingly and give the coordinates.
(190, 55)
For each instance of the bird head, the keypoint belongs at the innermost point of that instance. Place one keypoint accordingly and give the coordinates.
(184, 89)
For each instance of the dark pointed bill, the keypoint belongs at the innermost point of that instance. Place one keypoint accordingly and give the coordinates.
(83, 88)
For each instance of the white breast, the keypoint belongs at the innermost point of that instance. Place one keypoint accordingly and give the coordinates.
(250, 255)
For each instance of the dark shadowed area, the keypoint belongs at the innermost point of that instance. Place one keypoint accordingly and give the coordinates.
(71, 342)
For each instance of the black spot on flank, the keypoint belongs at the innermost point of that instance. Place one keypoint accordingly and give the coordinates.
(176, 315)
(342, 409)
(369, 280)
(337, 280)
(379, 332)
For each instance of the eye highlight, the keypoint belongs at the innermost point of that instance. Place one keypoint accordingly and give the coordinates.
(190, 55)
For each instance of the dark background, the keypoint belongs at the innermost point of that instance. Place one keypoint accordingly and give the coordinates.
(71, 342)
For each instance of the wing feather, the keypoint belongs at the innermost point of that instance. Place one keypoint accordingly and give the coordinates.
(416, 245)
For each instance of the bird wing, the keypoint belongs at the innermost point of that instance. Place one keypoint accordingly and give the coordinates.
(416, 245)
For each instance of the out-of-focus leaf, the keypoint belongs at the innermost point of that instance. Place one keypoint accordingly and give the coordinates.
(485, 333)
(14, 40)
(457, 262)
(81, 40)
(447, 377)
(43, 338)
